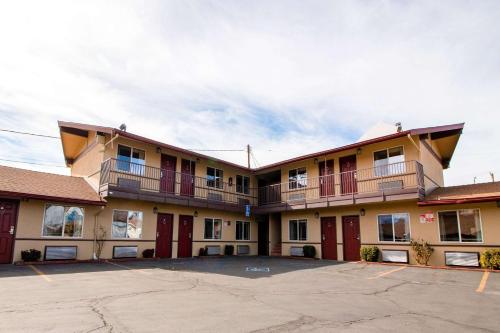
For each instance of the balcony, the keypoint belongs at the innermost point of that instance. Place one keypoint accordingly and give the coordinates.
(398, 181)
(127, 180)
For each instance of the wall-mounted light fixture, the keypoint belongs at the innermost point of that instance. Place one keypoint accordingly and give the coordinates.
(230, 181)
(195, 214)
(158, 150)
(198, 160)
(359, 151)
(316, 215)
(155, 210)
(315, 161)
(362, 212)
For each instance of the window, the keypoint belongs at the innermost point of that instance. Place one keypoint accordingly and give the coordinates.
(131, 160)
(213, 228)
(394, 228)
(62, 221)
(389, 161)
(215, 177)
(242, 184)
(126, 224)
(460, 226)
(242, 230)
(297, 178)
(298, 230)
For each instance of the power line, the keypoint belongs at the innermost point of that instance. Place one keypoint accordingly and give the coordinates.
(33, 163)
(32, 134)
(216, 149)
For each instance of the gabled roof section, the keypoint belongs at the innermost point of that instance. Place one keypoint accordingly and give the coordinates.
(435, 133)
(21, 183)
(484, 192)
(84, 129)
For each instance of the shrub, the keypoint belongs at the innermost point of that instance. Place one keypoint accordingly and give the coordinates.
(490, 259)
(309, 251)
(422, 251)
(148, 253)
(201, 253)
(228, 250)
(31, 255)
(369, 253)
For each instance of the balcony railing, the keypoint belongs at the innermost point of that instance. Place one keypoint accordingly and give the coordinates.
(391, 178)
(133, 177)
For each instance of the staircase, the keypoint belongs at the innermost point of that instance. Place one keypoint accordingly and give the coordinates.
(276, 250)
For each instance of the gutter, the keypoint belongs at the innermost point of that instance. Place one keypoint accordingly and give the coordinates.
(458, 201)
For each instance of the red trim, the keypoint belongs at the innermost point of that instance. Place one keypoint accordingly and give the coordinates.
(458, 201)
(50, 198)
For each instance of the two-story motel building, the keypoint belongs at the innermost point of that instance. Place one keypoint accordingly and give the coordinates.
(145, 194)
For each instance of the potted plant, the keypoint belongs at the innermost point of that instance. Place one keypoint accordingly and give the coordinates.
(309, 251)
(31, 255)
(148, 253)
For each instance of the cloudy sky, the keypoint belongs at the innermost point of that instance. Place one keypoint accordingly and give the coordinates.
(287, 77)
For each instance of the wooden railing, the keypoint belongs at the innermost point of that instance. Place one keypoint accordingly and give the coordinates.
(389, 178)
(131, 176)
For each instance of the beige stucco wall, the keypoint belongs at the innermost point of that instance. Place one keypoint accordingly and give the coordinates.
(153, 159)
(88, 164)
(490, 217)
(29, 230)
(433, 169)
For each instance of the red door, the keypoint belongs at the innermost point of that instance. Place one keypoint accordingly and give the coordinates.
(351, 238)
(348, 183)
(185, 243)
(329, 238)
(326, 178)
(164, 229)
(167, 181)
(187, 177)
(8, 219)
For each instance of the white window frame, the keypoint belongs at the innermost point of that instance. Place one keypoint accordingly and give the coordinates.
(242, 191)
(213, 229)
(220, 177)
(377, 169)
(126, 210)
(298, 230)
(302, 182)
(393, 233)
(243, 233)
(132, 165)
(62, 233)
(459, 229)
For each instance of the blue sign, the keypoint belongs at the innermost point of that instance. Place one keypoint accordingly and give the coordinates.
(247, 210)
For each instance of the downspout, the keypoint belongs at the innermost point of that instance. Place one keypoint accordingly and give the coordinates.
(94, 256)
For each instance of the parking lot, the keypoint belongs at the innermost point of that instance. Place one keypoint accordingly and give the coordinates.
(246, 295)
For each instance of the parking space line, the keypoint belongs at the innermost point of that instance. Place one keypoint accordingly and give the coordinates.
(482, 284)
(387, 273)
(40, 273)
(129, 268)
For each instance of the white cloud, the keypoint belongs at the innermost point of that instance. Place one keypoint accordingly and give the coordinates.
(287, 77)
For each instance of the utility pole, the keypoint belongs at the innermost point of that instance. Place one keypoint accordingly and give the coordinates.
(248, 155)
(492, 175)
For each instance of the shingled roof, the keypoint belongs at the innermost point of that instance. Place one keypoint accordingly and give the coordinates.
(483, 192)
(21, 183)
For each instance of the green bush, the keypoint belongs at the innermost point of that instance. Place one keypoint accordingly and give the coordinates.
(369, 253)
(148, 253)
(422, 251)
(309, 251)
(229, 250)
(31, 255)
(490, 259)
